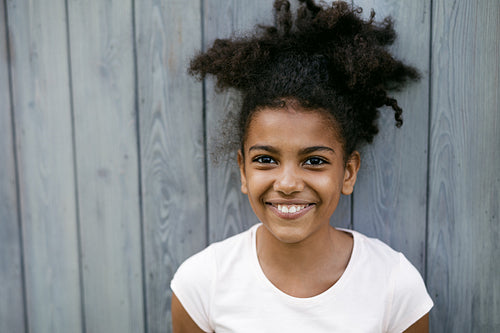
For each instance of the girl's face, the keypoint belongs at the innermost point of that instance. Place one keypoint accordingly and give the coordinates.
(293, 171)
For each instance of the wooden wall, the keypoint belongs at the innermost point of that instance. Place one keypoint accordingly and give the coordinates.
(106, 180)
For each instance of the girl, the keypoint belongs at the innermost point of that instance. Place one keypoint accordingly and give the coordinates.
(311, 87)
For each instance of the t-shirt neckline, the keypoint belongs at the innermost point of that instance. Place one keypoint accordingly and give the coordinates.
(304, 300)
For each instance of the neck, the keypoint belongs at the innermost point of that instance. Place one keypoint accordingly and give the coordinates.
(300, 257)
(306, 268)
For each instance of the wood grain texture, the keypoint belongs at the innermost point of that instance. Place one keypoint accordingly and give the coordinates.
(341, 218)
(464, 198)
(11, 286)
(229, 210)
(389, 201)
(172, 148)
(101, 34)
(391, 192)
(45, 159)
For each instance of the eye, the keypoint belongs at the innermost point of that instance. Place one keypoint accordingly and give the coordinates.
(264, 159)
(315, 161)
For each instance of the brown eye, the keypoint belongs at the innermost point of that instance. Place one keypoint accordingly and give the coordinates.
(314, 161)
(264, 160)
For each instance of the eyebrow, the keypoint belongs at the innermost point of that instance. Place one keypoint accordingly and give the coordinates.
(269, 149)
(304, 151)
(314, 149)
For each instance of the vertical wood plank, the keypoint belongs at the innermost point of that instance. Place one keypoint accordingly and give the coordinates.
(229, 210)
(172, 148)
(45, 160)
(391, 192)
(101, 40)
(341, 218)
(11, 292)
(463, 265)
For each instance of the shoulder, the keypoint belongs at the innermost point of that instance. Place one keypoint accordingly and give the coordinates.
(192, 286)
(216, 254)
(407, 297)
(373, 252)
(379, 256)
(196, 279)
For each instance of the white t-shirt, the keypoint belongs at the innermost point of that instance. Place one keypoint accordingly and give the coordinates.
(224, 289)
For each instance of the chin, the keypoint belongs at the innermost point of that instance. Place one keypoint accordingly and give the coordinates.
(287, 234)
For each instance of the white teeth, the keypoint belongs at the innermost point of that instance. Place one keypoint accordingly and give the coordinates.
(291, 208)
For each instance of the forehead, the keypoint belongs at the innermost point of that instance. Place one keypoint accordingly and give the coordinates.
(289, 126)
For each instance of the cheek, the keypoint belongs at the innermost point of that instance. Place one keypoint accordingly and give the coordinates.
(258, 182)
(328, 181)
(330, 185)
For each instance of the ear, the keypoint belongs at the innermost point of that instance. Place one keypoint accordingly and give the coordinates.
(351, 173)
(241, 164)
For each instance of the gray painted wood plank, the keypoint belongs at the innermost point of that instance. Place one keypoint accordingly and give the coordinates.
(46, 173)
(172, 148)
(463, 265)
(11, 287)
(101, 39)
(391, 192)
(341, 218)
(229, 210)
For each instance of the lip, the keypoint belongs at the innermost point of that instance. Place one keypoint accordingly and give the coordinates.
(290, 216)
(276, 202)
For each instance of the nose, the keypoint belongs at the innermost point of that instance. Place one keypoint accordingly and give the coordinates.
(288, 180)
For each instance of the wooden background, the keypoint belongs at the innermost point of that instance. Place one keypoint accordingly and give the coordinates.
(106, 183)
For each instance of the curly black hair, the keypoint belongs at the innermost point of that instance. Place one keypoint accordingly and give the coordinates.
(326, 58)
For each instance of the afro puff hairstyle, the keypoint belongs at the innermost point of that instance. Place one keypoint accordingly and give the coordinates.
(326, 57)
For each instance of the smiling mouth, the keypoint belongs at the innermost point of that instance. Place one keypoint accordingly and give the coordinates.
(291, 208)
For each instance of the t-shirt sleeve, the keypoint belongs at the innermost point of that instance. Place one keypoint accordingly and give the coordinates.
(193, 284)
(410, 300)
